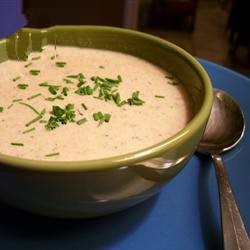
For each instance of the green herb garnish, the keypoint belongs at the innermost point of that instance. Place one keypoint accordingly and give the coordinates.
(17, 144)
(78, 76)
(80, 113)
(1, 109)
(53, 89)
(29, 130)
(10, 106)
(101, 67)
(117, 99)
(82, 121)
(85, 90)
(68, 81)
(106, 87)
(173, 80)
(160, 96)
(26, 56)
(43, 121)
(84, 106)
(60, 64)
(61, 115)
(59, 97)
(36, 58)
(34, 96)
(135, 100)
(22, 86)
(16, 78)
(45, 84)
(65, 91)
(52, 154)
(39, 117)
(17, 100)
(27, 65)
(30, 107)
(106, 117)
(35, 72)
(99, 116)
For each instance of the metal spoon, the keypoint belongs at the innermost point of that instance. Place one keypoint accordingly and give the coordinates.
(224, 130)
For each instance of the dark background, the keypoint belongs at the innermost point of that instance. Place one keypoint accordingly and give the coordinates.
(215, 30)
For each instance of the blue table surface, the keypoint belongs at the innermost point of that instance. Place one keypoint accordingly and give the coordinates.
(185, 215)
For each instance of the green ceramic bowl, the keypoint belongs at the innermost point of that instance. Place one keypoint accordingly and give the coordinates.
(97, 187)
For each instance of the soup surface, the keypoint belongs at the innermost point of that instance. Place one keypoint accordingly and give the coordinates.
(79, 104)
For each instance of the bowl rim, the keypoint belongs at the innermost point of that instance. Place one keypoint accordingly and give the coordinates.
(132, 157)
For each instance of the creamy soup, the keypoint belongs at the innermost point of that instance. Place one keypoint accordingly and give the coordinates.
(82, 104)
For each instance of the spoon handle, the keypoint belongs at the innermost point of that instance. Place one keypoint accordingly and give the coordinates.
(234, 232)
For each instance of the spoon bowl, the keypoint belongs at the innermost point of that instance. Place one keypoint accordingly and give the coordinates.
(224, 130)
(225, 127)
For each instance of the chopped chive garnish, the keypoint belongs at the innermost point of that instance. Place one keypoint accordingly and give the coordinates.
(80, 113)
(107, 88)
(27, 65)
(99, 116)
(135, 100)
(36, 58)
(1, 109)
(60, 64)
(173, 80)
(65, 91)
(17, 144)
(78, 76)
(59, 97)
(117, 99)
(101, 67)
(22, 86)
(39, 117)
(43, 121)
(169, 77)
(84, 106)
(160, 96)
(68, 81)
(82, 121)
(106, 117)
(29, 106)
(52, 154)
(35, 72)
(34, 96)
(85, 90)
(61, 115)
(96, 116)
(10, 106)
(26, 56)
(16, 78)
(122, 103)
(29, 130)
(17, 100)
(33, 121)
(44, 84)
(53, 89)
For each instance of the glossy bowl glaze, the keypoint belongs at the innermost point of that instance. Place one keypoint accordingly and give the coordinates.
(97, 187)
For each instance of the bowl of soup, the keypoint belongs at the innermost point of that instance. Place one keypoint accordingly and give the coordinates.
(93, 119)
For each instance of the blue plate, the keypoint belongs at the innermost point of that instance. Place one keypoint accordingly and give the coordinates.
(185, 215)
